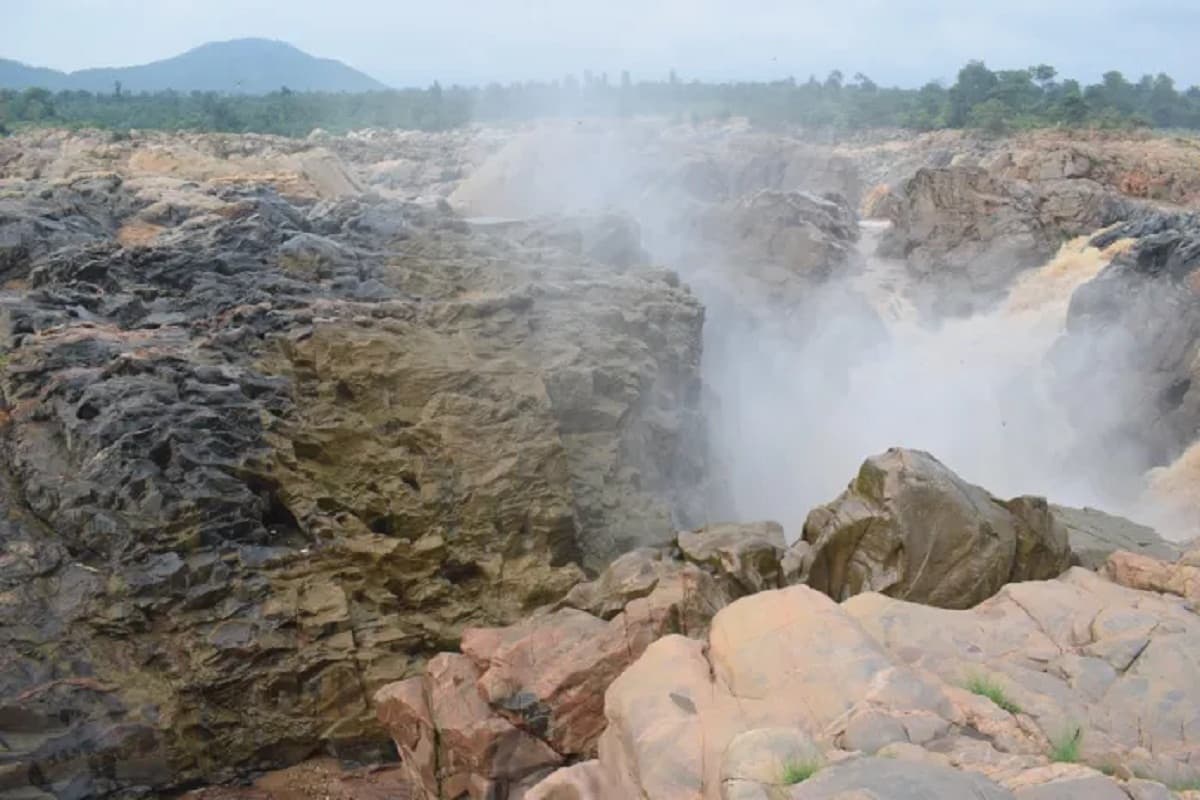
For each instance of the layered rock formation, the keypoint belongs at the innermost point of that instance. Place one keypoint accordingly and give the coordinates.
(270, 452)
(519, 701)
(970, 214)
(967, 232)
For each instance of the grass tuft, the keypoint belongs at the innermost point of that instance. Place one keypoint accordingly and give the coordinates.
(986, 687)
(799, 771)
(1065, 749)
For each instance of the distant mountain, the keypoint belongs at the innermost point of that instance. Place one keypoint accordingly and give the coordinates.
(240, 66)
(15, 75)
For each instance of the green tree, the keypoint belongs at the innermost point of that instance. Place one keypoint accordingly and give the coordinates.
(1043, 74)
(974, 86)
(990, 116)
(1164, 101)
(1072, 108)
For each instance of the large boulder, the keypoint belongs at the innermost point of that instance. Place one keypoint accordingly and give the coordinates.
(909, 527)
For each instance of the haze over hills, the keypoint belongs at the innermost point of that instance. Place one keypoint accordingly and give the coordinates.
(241, 66)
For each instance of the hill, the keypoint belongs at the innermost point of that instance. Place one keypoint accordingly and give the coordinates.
(240, 66)
(15, 75)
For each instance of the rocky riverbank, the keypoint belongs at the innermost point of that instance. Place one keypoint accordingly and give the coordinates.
(403, 442)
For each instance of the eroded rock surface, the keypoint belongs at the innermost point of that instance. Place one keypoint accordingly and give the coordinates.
(544, 679)
(271, 442)
(887, 692)
(966, 232)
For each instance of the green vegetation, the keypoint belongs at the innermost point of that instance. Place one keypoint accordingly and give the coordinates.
(1065, 748)
(986, 687)
(993, 101)
(799, 771)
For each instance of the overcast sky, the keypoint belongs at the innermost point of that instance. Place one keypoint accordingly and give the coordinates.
(410, 42)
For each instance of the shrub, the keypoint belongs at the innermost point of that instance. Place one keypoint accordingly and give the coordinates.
(799, 771)
(1065, 748)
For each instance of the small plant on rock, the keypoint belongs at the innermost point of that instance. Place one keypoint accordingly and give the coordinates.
(1065, 749)
(799, 771)
(986, 687)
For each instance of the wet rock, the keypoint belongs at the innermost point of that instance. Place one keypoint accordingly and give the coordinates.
(973, 230)
(1131, 336)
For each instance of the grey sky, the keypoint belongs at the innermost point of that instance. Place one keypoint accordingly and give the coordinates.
(403, 42)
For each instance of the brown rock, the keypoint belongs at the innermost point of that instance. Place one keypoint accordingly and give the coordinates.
(1150, 574)
(909, 527)
(749, 554)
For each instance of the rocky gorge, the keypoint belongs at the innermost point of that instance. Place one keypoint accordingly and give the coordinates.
(402, 444)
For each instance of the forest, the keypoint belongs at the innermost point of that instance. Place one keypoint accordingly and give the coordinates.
(996, 101)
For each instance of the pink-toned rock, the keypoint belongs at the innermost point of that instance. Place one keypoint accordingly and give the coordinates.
(672, 715)
(875, 674)
(583, 781)
(779, 646)
(1150, 574)
(521, 697)
(548, 674)
(658, 714)
(474, 751)
(404, 712)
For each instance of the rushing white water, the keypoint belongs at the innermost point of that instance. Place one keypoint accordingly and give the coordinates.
(796, 416)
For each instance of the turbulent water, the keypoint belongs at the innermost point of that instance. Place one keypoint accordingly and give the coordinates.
(794, 418)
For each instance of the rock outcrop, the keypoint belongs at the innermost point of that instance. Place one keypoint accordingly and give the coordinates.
(966, 232)
(787, 242)
(270, 443)
(526, 698)
(796, 696)
(907, 527)
(1136, 328)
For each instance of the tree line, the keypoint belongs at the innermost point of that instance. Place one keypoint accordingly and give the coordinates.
(996, 101)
